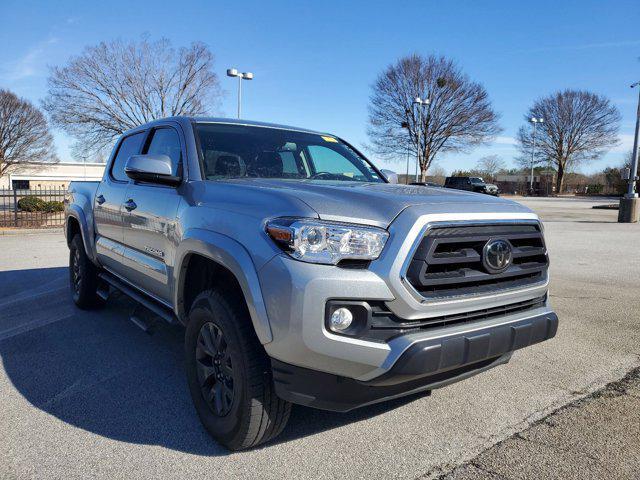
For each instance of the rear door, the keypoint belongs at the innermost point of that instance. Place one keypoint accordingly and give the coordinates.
(107, 208)
(149, 215)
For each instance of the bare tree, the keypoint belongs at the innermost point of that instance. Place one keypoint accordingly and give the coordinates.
(579, 126)
(115, 86)
(437, 174)
(458, 117)
(24, 133)
(490, 165)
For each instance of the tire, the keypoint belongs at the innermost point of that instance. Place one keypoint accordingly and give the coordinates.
(83, 276)
(241, 409)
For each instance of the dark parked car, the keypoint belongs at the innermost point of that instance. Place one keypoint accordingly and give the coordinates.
(471, 184)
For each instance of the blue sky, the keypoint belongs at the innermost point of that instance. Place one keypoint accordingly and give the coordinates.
(314, 62)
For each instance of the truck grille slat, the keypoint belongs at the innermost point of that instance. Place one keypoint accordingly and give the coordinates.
(448, 261)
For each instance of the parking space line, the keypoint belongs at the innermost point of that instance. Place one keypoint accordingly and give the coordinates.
(27, 327)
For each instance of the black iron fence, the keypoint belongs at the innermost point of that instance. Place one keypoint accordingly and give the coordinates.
(33, 208)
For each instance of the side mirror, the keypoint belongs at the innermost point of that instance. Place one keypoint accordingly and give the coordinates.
(390, 175)
(152, 169)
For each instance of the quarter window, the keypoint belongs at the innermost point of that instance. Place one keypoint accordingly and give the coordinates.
(165, 141)
(128, 147)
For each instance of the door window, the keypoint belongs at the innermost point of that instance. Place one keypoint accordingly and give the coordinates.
(128, 147)
(165, 141)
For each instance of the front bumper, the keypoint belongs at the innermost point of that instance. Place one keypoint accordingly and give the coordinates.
(425, 365)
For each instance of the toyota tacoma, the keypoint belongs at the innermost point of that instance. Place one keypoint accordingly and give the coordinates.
(301, 272)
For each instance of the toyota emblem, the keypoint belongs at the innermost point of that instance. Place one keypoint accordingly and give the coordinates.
(497, 256)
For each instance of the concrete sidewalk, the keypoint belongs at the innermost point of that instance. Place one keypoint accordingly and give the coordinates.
(593, 438)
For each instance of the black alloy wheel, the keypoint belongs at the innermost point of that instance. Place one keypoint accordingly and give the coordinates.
(215, 369)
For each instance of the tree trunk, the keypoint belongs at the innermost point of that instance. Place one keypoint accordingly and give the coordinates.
(423, 175)
(560, 178)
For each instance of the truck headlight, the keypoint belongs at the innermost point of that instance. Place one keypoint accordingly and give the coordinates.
(317, 241)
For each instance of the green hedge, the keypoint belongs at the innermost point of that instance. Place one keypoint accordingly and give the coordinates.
(53, 206)
(31, 204)
(36, 204)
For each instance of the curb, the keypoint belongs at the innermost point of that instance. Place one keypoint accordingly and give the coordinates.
(30, 231)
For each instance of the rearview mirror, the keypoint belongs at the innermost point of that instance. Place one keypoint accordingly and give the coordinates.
(152, 169)
(390, 175)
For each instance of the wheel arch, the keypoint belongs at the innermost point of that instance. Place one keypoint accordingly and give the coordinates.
(232, 262)
(76, 222)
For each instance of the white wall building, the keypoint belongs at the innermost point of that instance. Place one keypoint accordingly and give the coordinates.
(50, 175)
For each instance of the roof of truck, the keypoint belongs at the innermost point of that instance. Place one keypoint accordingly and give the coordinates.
(230, 121)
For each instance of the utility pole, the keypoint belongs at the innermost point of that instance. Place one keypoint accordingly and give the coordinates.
(629, 208)
(535, 122)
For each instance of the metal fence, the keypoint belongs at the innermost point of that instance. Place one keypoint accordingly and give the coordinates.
(33, 208)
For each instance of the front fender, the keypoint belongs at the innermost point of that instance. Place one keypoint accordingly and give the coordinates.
(234, 257)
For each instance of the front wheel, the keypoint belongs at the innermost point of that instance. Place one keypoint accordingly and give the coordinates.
(229, 374)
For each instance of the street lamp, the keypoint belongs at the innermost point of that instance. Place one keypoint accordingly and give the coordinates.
(232, 72)
(535, 122)
(633, 174)
(628, 212)
(421, 104)
(406, 125)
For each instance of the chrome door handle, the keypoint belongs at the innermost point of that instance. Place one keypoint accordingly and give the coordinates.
(100, 199)
(130, 205)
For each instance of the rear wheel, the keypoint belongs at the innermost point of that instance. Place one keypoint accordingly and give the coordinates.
(229, 374)
(83, 276)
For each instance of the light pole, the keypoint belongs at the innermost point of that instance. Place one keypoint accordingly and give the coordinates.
(535, 122)
(549, 176)
(232, 72)
(421, 104)
(406, 125)
(631, 189)
(629, 204)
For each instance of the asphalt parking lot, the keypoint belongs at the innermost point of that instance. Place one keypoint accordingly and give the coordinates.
(88, 394)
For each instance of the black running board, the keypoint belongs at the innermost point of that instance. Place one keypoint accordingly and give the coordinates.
(156, 307)
(103, 291)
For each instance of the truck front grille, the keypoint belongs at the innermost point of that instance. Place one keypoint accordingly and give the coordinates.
(448, 261)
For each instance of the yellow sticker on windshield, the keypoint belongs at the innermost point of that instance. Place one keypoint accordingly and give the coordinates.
(329, 139)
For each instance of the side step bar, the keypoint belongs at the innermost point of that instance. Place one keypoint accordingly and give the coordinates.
(161, 310)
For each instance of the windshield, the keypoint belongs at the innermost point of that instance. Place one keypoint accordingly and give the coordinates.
(476, 180)
(236, 151)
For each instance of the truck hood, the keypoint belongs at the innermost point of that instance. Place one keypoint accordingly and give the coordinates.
(379, 203)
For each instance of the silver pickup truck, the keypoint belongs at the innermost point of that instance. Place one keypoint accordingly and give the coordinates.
(301, 272)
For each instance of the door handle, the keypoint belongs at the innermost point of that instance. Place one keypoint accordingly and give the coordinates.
(100, 199)
(130, 205)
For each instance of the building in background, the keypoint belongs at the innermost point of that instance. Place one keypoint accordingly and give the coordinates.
(49, 175)
(518, 184)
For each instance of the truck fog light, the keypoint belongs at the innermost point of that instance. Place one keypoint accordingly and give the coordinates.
(341, 319)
